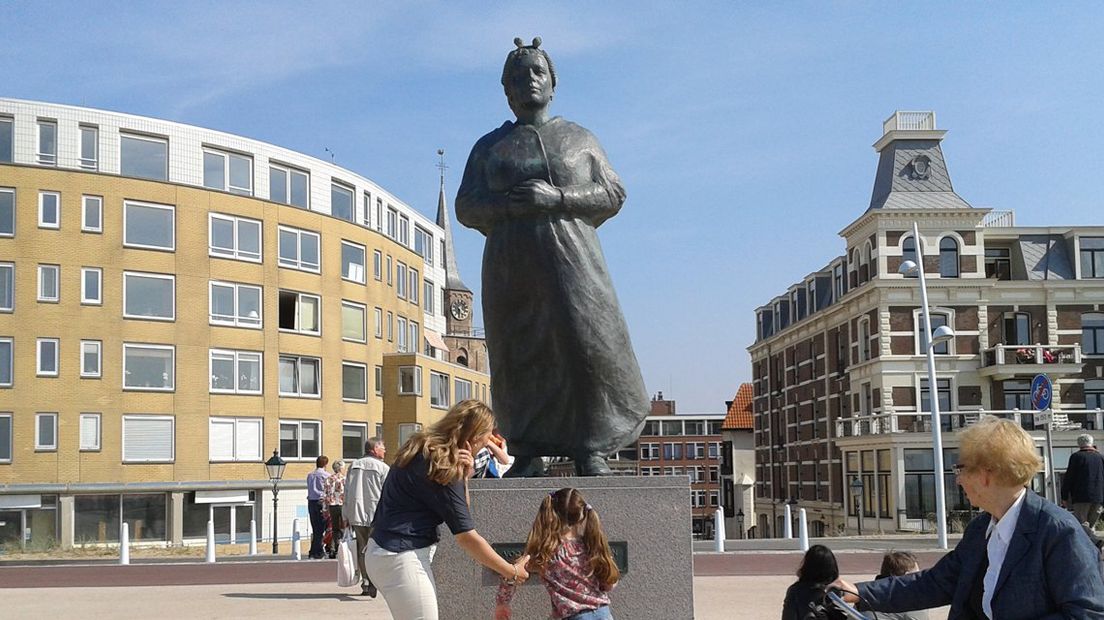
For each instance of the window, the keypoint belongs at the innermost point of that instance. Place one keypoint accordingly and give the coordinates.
(943, 391)
(341, 202)
(90, 356)
(149, 296)
(46, 431)
(367, 215)
(299, 249)
(390, 326)
(91, 279)
(1094, 393)
(1017, 328)
(354, 382)
(228, 171)
(89, 431)
(649, 451)
(410, 380)
(864, 339)
(908, 251)
(149, 226)
(427, 296)
(299, 312)
(948, 257)
(48, 278)
(235, 305)
(89, 147)
(415, 286)
(937, 320)
(235, 372)
(235, 439)
(414, 339)
(49, 210)
(47, 142)
(300, 439)
(234, 237)
(7, 287)
(400, 279)
(423, 244)
(406, 431)
(392, 221)
(404, 230)
(300, 376)
(377, 264)
(1092, 334)
(6, 141)
(379, 323)
(353, 438)
(379, 382)
(402, 334)
(352, 262)
(47, 357)
(7, 212)
(352, 321)
(145, 157)
(148, 439)
(379, 214)
(149, 367)
(92, 214)
(463, 389)
(695, 450)
(998, 263)
(388, 270)
(672, 451)
(1092, 257)
(6, 360)
(5, 438)
(838, 282)
(438, 390)
(289, 186)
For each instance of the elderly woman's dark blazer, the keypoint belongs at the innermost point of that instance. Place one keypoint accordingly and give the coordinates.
(1051, 571)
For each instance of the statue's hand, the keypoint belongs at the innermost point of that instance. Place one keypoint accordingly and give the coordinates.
(536, 193)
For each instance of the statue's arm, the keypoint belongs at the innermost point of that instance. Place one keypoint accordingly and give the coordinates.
(476, 205)
(600, 199)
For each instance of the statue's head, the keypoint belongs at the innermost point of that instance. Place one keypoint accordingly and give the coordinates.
(529, 77)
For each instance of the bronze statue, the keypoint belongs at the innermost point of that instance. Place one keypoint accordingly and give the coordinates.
(565, 380)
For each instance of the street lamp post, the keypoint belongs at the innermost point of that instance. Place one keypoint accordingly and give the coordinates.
(856, 494)
(275, 467)
(942, 334)
(740, 522)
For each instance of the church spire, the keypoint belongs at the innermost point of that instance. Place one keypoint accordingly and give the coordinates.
(452, 273)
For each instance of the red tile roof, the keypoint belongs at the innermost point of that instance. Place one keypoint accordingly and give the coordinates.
(739, 414)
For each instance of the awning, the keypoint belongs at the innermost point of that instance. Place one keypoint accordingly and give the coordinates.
(434, 339)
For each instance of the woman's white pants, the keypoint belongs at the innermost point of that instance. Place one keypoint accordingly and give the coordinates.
(405, 580)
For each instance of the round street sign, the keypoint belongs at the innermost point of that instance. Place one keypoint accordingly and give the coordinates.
(1041, 392)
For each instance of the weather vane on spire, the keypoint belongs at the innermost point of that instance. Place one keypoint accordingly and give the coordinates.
(441, 165)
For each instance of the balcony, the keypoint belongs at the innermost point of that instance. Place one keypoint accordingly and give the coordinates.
(1005, 361)
(1065, 419)
(909, 121)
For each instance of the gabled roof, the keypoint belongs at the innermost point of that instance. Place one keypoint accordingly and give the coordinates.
(739, 417)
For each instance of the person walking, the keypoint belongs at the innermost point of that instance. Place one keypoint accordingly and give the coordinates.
(1083, 485)
(316, 481)
(363, 486)
(333, 496)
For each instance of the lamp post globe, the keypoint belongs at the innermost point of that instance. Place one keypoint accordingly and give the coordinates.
(275, 468)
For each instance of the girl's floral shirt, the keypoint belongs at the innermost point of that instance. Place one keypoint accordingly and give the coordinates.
(568, 581)
(333, 490)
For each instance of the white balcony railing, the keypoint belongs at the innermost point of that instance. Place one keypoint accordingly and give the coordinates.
(1005, 354)
(909, 121)
(1065, 419)
(999, 219)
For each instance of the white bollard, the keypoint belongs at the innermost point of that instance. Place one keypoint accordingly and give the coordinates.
(210, 542)
(124, 544)
(803, 529)
(296, 552)
(787, 529)
(252, 537)
(718, 531)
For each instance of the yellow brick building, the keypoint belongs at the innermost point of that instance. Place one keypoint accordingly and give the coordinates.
(176, 304)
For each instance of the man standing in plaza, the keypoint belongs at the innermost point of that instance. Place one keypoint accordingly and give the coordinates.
(363, 485)
(1083, 486)
(316, 481)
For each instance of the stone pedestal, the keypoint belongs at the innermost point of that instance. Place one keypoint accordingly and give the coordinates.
(649, 514)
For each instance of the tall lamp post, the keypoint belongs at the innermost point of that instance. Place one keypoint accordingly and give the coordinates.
(942, 334)
(275, 467)
(856, 494)
(740, 522)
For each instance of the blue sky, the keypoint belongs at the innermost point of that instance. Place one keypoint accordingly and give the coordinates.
(741, 130)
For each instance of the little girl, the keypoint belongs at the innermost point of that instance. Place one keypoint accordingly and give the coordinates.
(570, 552)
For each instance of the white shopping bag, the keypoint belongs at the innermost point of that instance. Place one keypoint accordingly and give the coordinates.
(346, 561)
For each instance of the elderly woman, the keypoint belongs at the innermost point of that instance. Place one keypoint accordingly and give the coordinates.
(1024, 559)
(333, 498)
(567, 381)
(427, 486)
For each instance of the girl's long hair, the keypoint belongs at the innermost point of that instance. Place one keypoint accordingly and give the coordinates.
(441, 442)
(565, 509)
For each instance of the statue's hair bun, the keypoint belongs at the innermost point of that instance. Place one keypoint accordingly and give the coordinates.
(536, 41)
(518, 42)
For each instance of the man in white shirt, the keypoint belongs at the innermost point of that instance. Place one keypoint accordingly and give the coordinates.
(363, 486)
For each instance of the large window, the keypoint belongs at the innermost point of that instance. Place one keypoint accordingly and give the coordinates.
(998, 263)
(1017, 328)
(299, 249)
(354, 381)
(300, 376)
(89, 147)
(948, 257)
(46, 432)
(300, 440)
(234, 237)
(49, 277)
(145, 157)
(97, 518)
(352, 262)
(7, 133)
(7, 287)
(236, 305)
(236, 439)
(353, 437)
(231, 172)
(672, 451)
(423, 244)
(7, 359)
(341, 202)
(943, 390)
(92, 214)
(438, 389)
(149, 296)
(937, 320)
(1092, 257)
(90, 427)
(149, 439)
(353, 317)
(46, 359)
(47, 142)
(149, 226)
(149, 367)
(90, 359)
(49, 210)
(1092, 334)
(289, 186)
(235, 372)
(7, 212)
(299, 312)
(410, 380)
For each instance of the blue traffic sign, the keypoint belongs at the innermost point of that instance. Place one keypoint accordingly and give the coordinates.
(1042, 392)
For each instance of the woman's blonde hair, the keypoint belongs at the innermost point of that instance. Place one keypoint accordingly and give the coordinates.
(565, 509)
(441, 442)
(1001, 447)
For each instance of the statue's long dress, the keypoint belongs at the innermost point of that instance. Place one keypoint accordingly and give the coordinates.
(564, 377)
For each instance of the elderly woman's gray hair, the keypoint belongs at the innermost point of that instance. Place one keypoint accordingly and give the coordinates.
(338, 466)
(1084, 439)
